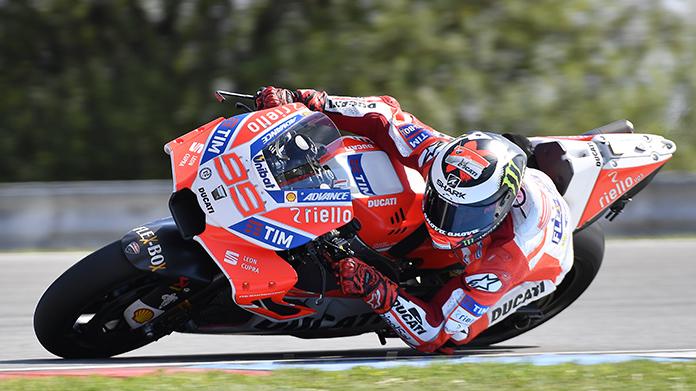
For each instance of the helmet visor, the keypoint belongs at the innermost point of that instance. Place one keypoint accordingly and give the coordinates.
(471, 222)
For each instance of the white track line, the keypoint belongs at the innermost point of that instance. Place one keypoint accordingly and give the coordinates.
(672, 353)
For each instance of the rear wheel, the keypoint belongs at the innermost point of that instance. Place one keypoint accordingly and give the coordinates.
(81, 314)
(588, 246)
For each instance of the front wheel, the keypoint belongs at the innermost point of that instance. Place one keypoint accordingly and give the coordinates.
(81, 314)
(588, 246)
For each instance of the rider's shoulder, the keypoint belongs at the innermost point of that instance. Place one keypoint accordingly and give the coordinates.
(391, 101)
(533, 208)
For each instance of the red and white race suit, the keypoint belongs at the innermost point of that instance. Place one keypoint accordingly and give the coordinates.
(524, 259)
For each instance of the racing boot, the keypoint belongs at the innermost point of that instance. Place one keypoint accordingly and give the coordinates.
(360, 279)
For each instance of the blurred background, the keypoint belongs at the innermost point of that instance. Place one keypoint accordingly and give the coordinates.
(91, 90)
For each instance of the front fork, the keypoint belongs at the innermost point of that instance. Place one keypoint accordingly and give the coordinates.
(162, 297)
(183, 268)
(172, 313)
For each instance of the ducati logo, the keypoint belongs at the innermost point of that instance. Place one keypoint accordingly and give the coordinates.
(410, 317)
(133, 248)
(465, 162)
(219, 193)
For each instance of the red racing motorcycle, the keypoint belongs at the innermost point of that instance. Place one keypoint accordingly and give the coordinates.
(264, 201)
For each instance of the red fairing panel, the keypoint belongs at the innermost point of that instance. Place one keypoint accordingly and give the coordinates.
(611, 185)
(254, 273)
(386, 195)
(388, 219)
(186, 152)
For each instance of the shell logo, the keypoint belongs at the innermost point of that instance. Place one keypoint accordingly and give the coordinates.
(291, 196)
(142, 315)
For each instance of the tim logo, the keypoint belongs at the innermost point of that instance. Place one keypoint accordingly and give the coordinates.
(220, 138)
(272, 235)
(414, 135)
(359, 174)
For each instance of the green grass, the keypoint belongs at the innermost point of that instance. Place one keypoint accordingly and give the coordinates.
(635, 375)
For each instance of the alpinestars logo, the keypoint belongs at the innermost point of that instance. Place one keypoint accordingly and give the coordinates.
(484, 282)
(351, 102)
(429, 153)
(375, 300)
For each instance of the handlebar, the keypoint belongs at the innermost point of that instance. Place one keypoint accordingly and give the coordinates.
(222, 95)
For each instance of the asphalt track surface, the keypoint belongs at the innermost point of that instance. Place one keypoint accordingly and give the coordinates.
(644, 299)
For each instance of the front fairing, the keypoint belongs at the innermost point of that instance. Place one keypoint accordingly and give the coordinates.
(259, 197)
(248, 182)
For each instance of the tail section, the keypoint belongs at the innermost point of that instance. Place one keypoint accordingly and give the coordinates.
(601, 172)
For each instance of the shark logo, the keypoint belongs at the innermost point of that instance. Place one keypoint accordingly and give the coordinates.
(453, 180)
(487, 282)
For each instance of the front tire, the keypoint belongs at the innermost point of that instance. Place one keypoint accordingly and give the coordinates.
(98, 288)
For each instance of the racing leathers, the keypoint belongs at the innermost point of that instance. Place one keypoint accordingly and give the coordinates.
(522, 260)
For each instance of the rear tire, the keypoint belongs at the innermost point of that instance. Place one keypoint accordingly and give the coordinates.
(588, 246)
(103, 284)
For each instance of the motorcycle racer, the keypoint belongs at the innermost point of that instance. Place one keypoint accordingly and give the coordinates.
(504, 220)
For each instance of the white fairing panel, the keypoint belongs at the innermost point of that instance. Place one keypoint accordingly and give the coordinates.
(605, 152)
(416, 181)
(587, 162)
(633, 150)
(371, 173)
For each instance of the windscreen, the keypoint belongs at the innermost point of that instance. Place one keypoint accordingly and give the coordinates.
(293, 156)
